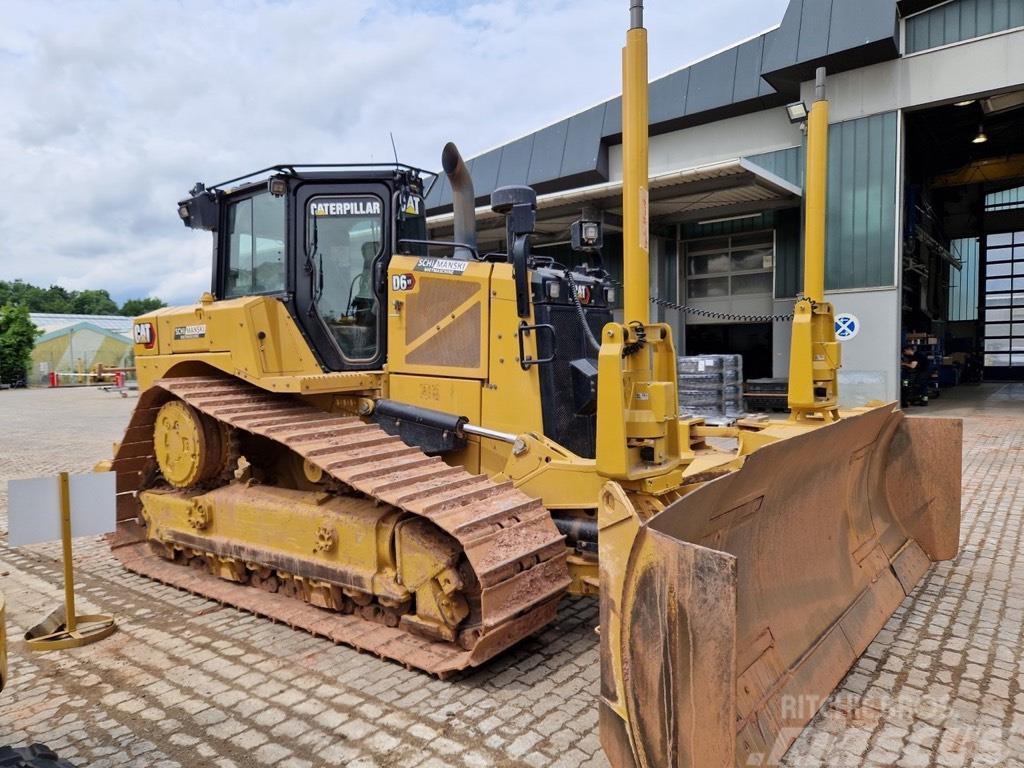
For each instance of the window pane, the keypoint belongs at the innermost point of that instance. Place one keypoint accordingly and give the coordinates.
(997, 360)
(708, 287)
(348, 235)
(268, 237)
(997, 345)
(1003, 238)
(997, 329)
(749, 260)
(760, 239)
(999, 284)
(709, 245)
(703, 265)
(744, 285)
(1002, 269)
(998, 300)
(999, 254)
(996, 315)
(239, 276)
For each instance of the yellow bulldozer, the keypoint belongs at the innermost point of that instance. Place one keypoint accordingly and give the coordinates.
(417, 449)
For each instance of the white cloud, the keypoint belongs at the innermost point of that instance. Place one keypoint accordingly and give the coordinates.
(113, 109)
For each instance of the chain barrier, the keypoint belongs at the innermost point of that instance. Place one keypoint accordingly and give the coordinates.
(665, 303)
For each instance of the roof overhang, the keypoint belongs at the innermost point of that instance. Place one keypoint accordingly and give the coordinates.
(730, 188)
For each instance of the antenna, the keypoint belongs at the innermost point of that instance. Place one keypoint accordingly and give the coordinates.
(393, 149)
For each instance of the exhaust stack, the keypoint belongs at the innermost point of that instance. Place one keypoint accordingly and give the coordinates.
(463, 200)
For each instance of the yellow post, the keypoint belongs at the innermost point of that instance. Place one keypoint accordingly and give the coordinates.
(3, 644)
(65, 537)
(815, 356)
(815, 194)
(635, 216)
(58, 632)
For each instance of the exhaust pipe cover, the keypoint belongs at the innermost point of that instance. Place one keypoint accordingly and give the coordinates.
(463, 200)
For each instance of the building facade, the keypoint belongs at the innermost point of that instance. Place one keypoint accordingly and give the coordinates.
(926, 168)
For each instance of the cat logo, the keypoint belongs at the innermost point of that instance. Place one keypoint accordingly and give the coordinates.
(144, 334)
(412, 205)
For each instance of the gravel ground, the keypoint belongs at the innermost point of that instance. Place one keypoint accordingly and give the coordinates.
(186, 682)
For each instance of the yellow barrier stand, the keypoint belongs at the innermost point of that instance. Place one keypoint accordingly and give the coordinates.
(3, 644)
(64, 628)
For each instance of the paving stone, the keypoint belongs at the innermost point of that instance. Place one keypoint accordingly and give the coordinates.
(194, 683)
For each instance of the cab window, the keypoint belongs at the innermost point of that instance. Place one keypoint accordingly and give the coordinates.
(410, 223)
(344, 239)
(255, 246)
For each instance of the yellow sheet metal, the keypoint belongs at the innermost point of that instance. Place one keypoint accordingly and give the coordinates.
(744, 603)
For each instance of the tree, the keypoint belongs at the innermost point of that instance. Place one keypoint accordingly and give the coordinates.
(136, 307)
(93, 303)
(17, 337)
(60, 300)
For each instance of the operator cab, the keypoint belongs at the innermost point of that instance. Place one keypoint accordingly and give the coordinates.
(320, 240)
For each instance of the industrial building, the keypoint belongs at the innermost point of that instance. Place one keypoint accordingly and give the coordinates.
(925, 190)
(78, 344)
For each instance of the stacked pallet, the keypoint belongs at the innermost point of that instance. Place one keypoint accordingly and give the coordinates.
(711, 386)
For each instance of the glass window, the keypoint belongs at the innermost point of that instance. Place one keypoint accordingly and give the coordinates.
(751, 260)
(708, 245)
(344, 239)
(705, 265)
(411, 223)
(999, 254)
(1004, 302)
(744, 285)
(255, 243)
(709, 287)
(737, 265)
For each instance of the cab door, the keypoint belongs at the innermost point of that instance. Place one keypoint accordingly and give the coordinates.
(342, 240)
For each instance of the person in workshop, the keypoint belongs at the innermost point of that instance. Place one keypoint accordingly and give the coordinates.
(914, 366)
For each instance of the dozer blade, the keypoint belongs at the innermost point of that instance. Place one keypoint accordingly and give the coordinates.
(743, 604)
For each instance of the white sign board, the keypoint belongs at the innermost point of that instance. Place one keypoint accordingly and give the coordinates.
(847, 326)
(33, 511)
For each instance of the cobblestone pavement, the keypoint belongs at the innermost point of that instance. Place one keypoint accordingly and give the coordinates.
(186, 682)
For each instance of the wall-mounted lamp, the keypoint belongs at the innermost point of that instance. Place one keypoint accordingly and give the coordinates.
(981, 138)
(797, 112)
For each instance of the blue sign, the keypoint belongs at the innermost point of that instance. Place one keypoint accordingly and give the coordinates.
(847, 326)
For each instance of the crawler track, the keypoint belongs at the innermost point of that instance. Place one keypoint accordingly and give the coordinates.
(509, 539)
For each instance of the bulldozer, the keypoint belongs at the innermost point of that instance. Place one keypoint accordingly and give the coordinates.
(418, 449)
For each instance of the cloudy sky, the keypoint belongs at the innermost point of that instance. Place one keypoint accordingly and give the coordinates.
(112, 110)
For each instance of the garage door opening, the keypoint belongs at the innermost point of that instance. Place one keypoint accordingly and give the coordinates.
(963, 244)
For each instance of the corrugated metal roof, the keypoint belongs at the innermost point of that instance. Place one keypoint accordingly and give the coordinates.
(676, 196)
(48, 322)
(759, 73)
